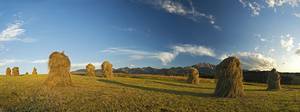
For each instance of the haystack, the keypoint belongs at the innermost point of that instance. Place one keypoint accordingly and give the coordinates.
(90, 70)
(8, 72)
(15, 71)
(229, 76)
(273, 80)
(193, 77)
(59, 70)
(34, 71)
(107, 69)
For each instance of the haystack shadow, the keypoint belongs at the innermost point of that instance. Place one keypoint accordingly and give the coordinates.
(178, 85)
(158, 89)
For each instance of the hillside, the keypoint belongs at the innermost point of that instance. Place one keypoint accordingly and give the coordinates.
(205, 69)
(138, 93)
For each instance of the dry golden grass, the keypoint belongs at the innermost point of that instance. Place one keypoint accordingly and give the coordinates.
(130, 93)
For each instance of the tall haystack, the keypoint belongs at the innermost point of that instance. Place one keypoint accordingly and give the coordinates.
(8, 72)
(107, 69)
(193, 77)
(15, 71)
(90, 70)
(273, 80)
(59, 70)
(34, 71)
(229, 76)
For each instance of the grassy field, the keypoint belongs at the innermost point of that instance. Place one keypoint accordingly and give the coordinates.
(143, 93)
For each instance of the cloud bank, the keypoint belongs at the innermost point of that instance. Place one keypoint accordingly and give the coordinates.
(255, 6)
(164, 56)
(12, 32)
(253, 61)
(178, 8)
(287, 42)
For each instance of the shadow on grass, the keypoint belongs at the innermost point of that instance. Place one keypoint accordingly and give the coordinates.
(153, 78)
(172, 84)
(255, 90)
(158, 89)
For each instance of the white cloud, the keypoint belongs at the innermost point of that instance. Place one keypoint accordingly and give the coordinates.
(271, 50)
(278, 3)
(132, 65)
(4, 62)
(253, 6)
(173, 7)
(257, 5)
(164, 57)
(12, 32)
(125, 51)
(256, 48)
(194, 50)
(82, 65)
(298, 51)
(253, 61)
(287, 42)
(40, 61)
(263, 39)
(178, 8)
(127, 29)
(137, 57)
(297, 15)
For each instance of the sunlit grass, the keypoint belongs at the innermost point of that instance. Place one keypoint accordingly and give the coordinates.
(138, 93)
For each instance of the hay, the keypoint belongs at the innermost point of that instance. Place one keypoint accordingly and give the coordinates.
(59, 70)
(107, 69)
(193, 77)
(15, 71)
(90, 70)
(34, 71)
(273, 80)
(229, 76)
(8, 72)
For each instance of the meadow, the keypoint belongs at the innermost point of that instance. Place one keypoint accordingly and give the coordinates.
(145, 93)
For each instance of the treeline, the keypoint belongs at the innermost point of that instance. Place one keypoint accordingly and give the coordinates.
(262, 76)
(205, 70)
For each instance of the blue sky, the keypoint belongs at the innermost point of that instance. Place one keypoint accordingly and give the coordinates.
(158, 33)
